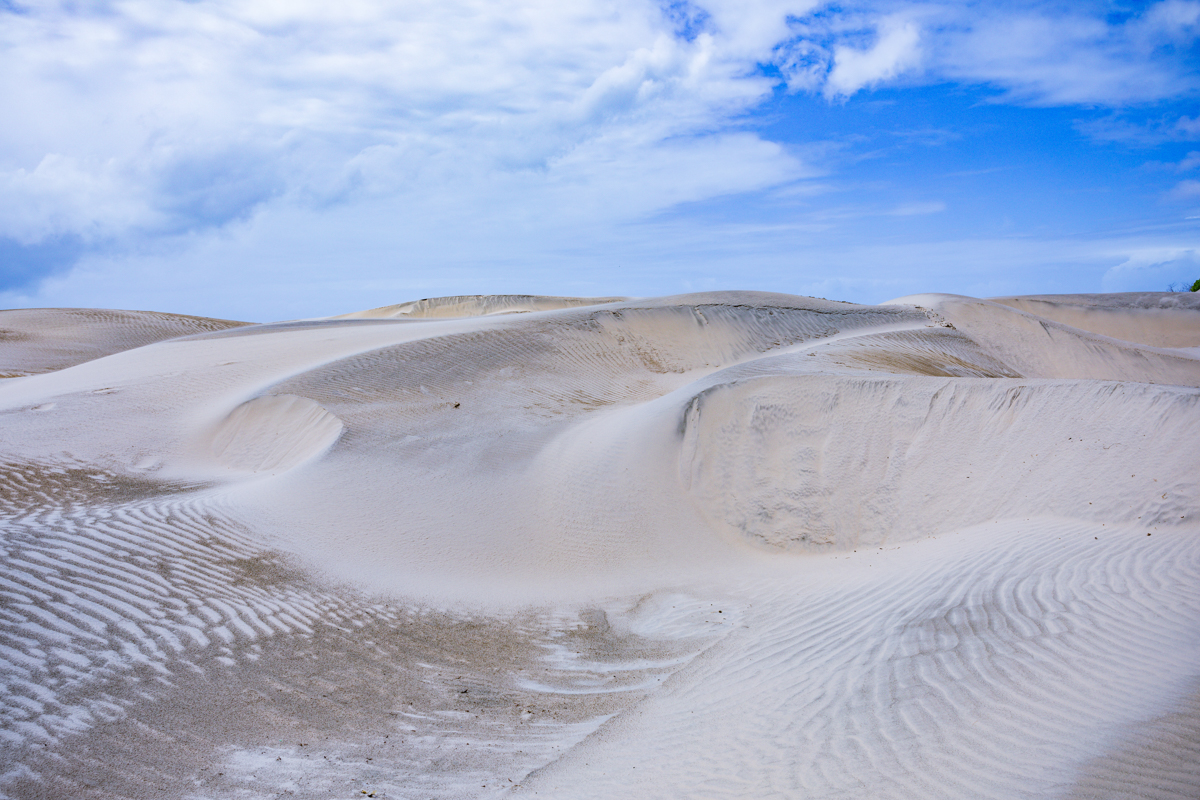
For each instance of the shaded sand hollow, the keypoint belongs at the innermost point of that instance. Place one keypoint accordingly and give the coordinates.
(725, 545)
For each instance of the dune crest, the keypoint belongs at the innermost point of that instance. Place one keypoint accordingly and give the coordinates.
(477, 305)
(1042, 347)
(1151, 318)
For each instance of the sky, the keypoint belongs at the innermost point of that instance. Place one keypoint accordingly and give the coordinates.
(279, 159)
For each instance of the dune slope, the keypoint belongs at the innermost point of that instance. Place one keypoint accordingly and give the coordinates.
(39, 340)
(731, 544)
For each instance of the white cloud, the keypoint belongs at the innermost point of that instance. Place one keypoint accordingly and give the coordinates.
(673, 172)
(430, 121)
(63, 195)
(1041, 54)
(1167, 128)
(149, 118)
(1057, 57)
(1170, 21)
(1185, 190)
(1188, 127)
(895, 53)
(1153, 269)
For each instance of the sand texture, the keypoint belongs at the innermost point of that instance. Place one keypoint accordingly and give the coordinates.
(722, 545)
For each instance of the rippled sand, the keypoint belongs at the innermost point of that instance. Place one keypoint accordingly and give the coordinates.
(724, 545)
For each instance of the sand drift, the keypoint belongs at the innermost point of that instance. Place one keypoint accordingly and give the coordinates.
(724, 545)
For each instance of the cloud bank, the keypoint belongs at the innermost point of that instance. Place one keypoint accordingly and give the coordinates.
(136, 123)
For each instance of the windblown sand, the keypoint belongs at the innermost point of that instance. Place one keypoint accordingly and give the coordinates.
(726, 545)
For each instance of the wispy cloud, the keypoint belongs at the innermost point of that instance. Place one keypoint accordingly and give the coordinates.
(1157, 267)
(1185, 190)
(1189, 162)
(918, 209)
(1143, 132)
(1057, 57)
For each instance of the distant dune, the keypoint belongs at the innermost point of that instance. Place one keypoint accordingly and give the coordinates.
(720, 545)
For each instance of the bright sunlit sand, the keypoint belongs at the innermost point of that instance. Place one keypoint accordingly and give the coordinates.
(722, 545)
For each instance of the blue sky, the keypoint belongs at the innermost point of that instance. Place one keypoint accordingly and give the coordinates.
(267, 160)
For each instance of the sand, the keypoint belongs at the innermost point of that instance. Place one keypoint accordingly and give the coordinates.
(721, 545)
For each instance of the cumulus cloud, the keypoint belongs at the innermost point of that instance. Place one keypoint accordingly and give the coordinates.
(896, 51)
(66, 195)
(149, 118)
(1048, 54)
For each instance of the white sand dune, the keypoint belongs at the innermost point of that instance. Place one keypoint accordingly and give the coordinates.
(36, 340)
(723, 545)
(1161, 320)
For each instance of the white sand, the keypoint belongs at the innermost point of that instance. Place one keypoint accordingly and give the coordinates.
(726, 545)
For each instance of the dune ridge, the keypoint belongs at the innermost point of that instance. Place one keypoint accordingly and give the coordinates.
(1158, 320)
(479, 305)
(728, 544)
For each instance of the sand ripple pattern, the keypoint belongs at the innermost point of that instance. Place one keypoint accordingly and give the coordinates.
(1007, 667)
(136, 614)
(46, 339)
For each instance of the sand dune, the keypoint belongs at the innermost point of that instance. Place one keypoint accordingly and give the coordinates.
(726, 545)
(1159, 320)
(46, 339)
